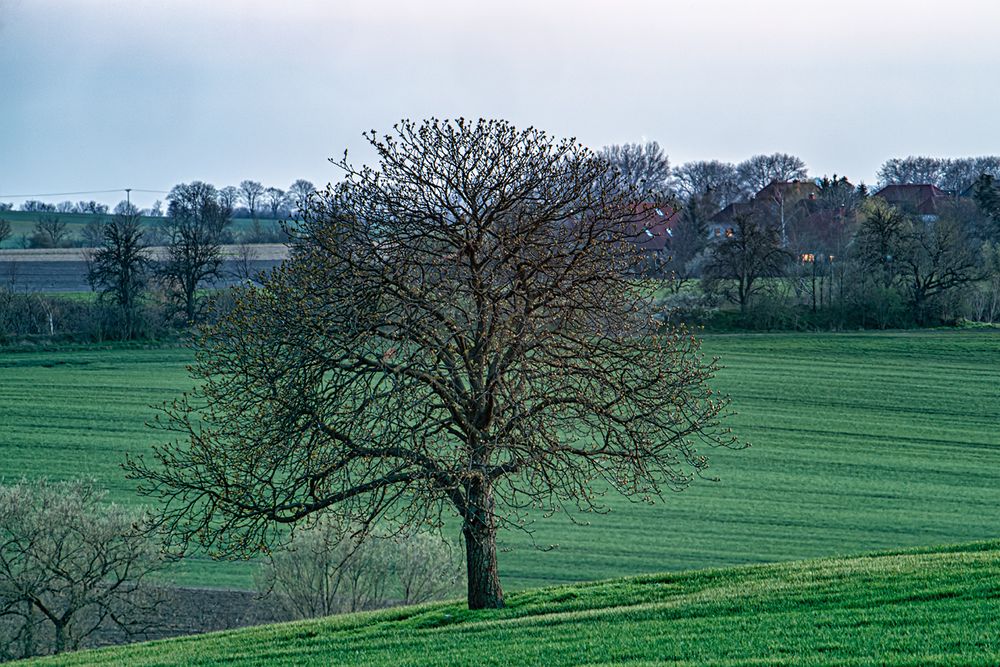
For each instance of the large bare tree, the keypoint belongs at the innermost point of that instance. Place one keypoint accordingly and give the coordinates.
(458, 331)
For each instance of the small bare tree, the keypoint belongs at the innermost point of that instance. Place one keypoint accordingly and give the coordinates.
(118, 267)
(195, 224)
(251, 193)
(758, 171)
(243, 262)
(70, 565)
(644, 166)
(329, 568)
(712, 183)
(275, 200)
(229, 197)
(50, 232)
(298, 193)
(740, 262)
(5, 231)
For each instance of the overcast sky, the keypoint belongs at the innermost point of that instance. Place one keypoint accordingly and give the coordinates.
(103, 95)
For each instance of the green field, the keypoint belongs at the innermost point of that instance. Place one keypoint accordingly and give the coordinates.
(22, 223)
(860, 442)
(938, 606)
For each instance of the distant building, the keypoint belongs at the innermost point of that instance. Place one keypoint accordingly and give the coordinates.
(778, 201)
(923, 200)
(721, 224)
(652, 231)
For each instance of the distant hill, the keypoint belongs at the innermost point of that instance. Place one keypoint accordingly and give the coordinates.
(932, 606)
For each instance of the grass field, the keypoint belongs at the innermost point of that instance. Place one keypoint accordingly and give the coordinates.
(860, 442)
(22, 223)
(937, 606)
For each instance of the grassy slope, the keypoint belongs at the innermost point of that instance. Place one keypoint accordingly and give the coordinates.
(933, 606)
(860, 442)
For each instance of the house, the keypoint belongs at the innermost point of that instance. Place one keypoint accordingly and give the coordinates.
(653, 227)
(721, 224)
(924, 200)
(777, 201)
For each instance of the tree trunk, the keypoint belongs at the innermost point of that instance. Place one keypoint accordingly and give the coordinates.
(480, 534)
(60, 637)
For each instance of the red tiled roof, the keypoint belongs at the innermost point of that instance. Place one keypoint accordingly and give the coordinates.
(920, 198)
(654, 226)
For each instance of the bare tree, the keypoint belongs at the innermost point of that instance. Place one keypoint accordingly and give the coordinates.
(740, 261)
(716, 184)
(243, 261)
(643, 166)
(229, 197)
(5, 230)
(935, 259)
(685, 253)
(92, 234)
(250, 194)
(986, 194)
(912, 170)
(35, 206)
(195, 224)
(330, 568)
(119, 265)
(91, 207)
(989, 295)
(878, 240)
(70, 565)
(960, 175)
(50, 232)
(298, 193)
(65, 207)
(424, 567)
(275, 200)
(759, 171)
(458, 330)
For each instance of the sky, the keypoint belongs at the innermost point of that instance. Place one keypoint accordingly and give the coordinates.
(104, 95)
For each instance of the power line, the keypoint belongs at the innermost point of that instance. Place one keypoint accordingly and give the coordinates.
(84, 192)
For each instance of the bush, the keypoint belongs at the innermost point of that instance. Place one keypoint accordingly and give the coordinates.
(71, 565)
(327, 569)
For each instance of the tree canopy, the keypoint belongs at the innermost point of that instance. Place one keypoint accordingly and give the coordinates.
(458, 332)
